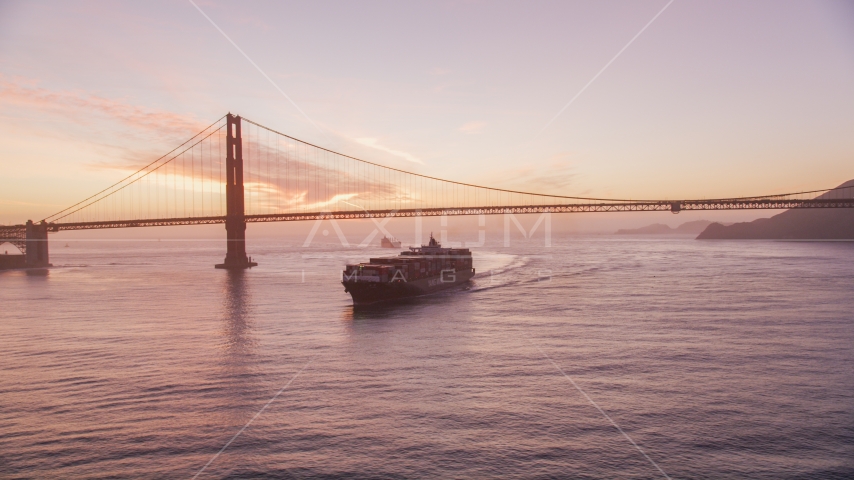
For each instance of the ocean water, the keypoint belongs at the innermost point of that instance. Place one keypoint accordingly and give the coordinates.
(597, 357)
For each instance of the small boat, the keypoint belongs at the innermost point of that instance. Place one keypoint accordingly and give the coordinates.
(390, 242)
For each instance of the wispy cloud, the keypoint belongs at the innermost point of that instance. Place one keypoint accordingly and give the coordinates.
(439, 71)
(555, 175)
(374, 143)
(13, 202)
(83, 107)
(115, 132)
(472, 127)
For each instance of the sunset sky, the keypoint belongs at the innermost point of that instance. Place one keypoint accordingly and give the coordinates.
(711, 99)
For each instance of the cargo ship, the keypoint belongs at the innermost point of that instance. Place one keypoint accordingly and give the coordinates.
(419, 271)
(390, 242)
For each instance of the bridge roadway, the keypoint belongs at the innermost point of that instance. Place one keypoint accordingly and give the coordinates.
(31, 238)
(17, 232)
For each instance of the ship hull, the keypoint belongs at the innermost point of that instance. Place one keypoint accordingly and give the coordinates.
(366, 293)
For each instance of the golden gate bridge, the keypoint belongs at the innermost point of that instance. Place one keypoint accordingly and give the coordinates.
(236, 171)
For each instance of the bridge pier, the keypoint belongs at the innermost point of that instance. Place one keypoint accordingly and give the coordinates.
(235, 221)
(36, 241)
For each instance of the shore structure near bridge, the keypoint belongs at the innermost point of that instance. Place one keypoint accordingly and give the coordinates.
(31, 240)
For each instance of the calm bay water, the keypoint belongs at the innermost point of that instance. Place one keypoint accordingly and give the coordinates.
(718, 359)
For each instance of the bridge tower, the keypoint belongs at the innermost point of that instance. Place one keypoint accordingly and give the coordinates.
(235, 220)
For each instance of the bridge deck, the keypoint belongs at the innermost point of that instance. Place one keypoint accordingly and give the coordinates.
(14, 233)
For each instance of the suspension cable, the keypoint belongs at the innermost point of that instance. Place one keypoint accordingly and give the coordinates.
(134, 173)
(521, 192)
(138, 171)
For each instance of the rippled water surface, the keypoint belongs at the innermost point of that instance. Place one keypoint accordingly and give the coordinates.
(718, 359)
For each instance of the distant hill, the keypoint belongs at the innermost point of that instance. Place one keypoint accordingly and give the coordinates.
(793, 224)
(694, 227)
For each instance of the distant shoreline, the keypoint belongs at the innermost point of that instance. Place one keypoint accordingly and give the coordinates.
(793, 224)
(688, 228)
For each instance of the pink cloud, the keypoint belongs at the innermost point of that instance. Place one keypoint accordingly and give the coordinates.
(83, 107)
(472, 127)
(555, 175)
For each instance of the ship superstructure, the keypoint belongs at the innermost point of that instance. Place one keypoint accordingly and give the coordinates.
(390, 242)
(417, 271)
